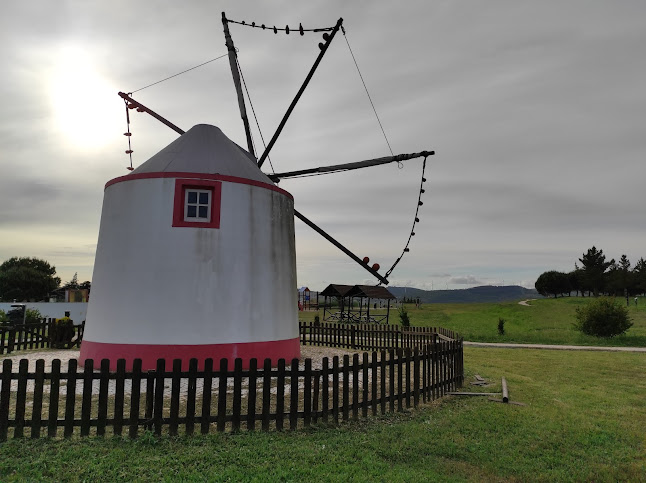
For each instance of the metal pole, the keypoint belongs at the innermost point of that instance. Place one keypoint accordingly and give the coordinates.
(233, 62)
(300, 91)
(152, 113)
(336, 168)
(340, 247)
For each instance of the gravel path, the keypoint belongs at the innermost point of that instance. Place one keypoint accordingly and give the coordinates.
(554, 347)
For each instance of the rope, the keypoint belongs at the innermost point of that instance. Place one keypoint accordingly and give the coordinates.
(128, 134)
(287, 30)
(254, 114)
(179, 73)
(369, 98)
(415, 221)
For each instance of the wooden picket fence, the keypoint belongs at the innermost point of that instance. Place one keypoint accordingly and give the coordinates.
(38, 402)
(33, 336)
(371, 336)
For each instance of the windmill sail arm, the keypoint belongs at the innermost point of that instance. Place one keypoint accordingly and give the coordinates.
(143, 108)
(336, 168)
(337, 244)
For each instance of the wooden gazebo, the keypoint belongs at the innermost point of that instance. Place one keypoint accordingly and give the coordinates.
(345, 311)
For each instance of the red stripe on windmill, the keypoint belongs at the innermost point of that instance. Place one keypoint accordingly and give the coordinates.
(188, 233)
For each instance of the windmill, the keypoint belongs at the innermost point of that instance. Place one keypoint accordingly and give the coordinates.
(196, 251)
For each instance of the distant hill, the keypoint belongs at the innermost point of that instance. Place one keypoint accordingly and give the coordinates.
(482, 294)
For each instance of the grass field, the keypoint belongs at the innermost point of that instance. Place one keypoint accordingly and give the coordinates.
(583, 421)
(545, 321)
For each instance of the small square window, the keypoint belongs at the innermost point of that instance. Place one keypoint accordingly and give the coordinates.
(197, 203)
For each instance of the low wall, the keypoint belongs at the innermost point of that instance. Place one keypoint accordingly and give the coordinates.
(56, 310)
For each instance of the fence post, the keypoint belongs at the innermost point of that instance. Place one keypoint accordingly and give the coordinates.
(353, 334)
(5, 394)
(12, 340)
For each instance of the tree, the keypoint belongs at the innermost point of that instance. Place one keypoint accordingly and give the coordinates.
(639, 274)
(575, 279)
(621, 280)
(26, 278)
(72, 284)
(594, 267)
(553, 283)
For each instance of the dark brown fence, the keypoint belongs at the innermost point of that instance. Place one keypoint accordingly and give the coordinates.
(36, 401)
(36, 336)
(371, 336)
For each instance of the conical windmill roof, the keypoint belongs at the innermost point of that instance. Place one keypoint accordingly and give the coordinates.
(204, 149)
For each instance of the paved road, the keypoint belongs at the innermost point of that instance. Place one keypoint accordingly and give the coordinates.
(554, 347)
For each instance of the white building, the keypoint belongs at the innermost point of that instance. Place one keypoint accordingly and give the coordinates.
(195, 259)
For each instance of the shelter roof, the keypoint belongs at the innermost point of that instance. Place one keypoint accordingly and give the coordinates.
(204, 149)
(336, 290)
(371, 292)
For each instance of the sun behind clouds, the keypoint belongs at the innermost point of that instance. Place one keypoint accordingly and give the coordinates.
(85, 108)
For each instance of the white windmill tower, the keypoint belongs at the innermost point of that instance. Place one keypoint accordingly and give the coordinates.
(196, 250)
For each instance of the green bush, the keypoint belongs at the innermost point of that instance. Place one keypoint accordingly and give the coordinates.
(61, 333)
(404, 318)
(603, 317)
(501, 326)
(33, 316)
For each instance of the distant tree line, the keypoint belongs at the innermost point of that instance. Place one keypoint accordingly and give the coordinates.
(595, 276)
(26, 279)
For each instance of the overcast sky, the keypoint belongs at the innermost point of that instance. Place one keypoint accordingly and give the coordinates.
(536, 110)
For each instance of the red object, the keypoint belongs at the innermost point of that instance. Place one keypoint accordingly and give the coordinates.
(129, 151)
(130, 168)
(127, 134)
(181, 185)
(141, 109)
(366, 260)
(149, 353)
(131, 106)
(215, 177)
(376, 267)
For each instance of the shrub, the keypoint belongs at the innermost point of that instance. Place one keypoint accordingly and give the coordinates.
(33, 316)
(404, 318)
(501, 326)
(61, 333)
(603, 317)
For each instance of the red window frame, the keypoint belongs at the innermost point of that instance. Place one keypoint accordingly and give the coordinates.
(181, 185)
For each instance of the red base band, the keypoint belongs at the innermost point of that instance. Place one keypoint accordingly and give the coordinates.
(280, 349)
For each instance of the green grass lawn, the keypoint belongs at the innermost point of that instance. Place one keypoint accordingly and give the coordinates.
(545, 321)
(583, 422)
